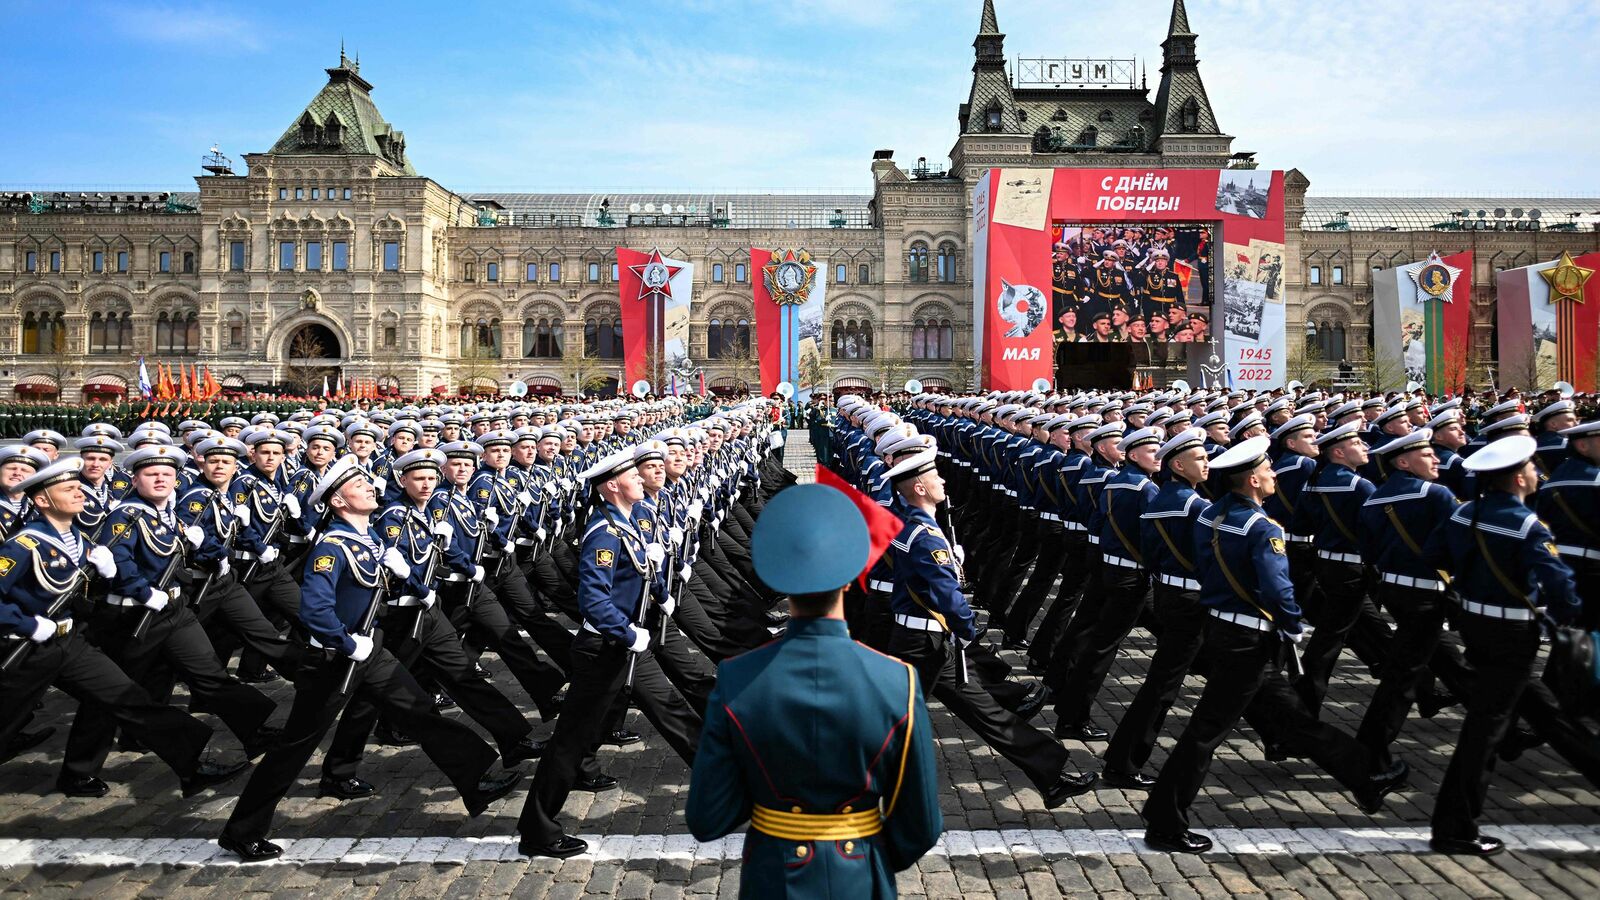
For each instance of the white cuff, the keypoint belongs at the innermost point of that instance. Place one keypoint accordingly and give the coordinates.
(641, 639)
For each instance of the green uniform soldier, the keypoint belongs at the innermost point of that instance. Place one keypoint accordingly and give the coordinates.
(821, 744)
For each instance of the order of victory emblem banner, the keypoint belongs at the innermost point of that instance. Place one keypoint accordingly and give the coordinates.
(788, 276)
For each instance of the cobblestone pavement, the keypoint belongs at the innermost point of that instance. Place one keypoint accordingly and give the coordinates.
(1283, 829)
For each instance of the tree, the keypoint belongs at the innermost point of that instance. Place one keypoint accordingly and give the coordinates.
(1304, 364)
(478, 366)
(892, 371)
(304, 373)
(816, 372)
(583, 370)
(740, 363)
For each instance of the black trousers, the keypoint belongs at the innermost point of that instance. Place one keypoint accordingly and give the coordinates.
(1183, 623)
(1419, 644)
(1038, 755)
(1125, 592)
(1245, 666)
(1342, 611)
(276, 590)
(1501, 653)
(1048, 564)
(540, 571)
(458, 752)
(175, 637)
(103, 691)
(1009, 584)
(512, 591)
(233, 619)
(1074, 570)
(685, 666)
(437, 651)
(599, 674)
(1073, 634)
(695, 623)
(1001, 542)
(484, 622)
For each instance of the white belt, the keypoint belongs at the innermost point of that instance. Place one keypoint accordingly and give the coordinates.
(1498, 612)
(1178, 581)
(455, 577)
(1584, 552)
(1049, 517)
(173, 593)
(886, 587)
(1094, 538)
(1118, 561)
(1241, 619)
(525, 542)
(297, 539)
(1074, 526)
(1426, 584)
(1298, 538)
(245, 555)
(983, 478)
(1339, 557)
(404, 601)
(1009, 492)
(917, 624)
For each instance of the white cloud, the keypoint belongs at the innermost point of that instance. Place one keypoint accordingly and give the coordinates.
(195, 27)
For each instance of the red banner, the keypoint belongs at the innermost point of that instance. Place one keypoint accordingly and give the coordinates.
(1456, 329)
(768, 331)
(639, 317)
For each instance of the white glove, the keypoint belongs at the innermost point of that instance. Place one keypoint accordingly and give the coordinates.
(224, 567)
(641, 639)
(363, 647)
(195, 536)
(566, 484)
(655, 553)
(292, 504)
(696, 509)
(242, 513)
(430, 599)
(553, 488)
(525, 498)
(687, 573)
(540, 534)
(961, 555)
(492, 515)
(100, 558)
(43, 629)
(669, 604)
(444, 531)
(395, 562)
(675, 534)
(158, 600)
(311, 535)
(1295, 638)
(269, 554)
(477, 574)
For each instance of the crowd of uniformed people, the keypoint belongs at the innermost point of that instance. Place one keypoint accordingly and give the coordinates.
(610, 555)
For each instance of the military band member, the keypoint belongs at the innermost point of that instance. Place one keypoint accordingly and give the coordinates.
(933, 623)
(1244, 584)
(823, 716)
(343, 578)
(619, 592)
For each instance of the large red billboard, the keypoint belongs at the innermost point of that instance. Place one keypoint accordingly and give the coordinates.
(1096, 255)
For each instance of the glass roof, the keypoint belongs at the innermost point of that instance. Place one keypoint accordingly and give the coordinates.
(1450, 214)
(768, 210)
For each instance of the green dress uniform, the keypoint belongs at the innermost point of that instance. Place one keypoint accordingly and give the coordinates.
(820, 743)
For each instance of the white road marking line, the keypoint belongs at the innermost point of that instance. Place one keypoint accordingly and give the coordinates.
(196, 852)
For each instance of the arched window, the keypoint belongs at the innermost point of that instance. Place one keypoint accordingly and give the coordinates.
(541, 338)
(947, 262)
(917, 262)
(852, 339)
(602, 338)
(110, 332)
(931, 338)
(1189, 116)
(44, 332)
(178, 332)
(728, 338)
(714, 339)
(481, 338)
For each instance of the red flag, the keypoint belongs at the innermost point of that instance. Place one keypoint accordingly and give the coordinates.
(702, 384)
(1184, 272)
(212, 387)
(882, 526)
(164, 387)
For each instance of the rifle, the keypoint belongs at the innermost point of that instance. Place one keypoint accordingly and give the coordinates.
(272, 535)
(431, 564)
(365, 629)
(477, 557)
(80, 581)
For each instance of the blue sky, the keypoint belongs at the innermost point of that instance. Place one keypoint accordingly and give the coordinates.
(1421, 97)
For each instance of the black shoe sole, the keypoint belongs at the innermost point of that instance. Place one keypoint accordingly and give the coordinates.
(550, 853)
(233, 848)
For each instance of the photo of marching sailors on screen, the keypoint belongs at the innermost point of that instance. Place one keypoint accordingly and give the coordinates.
(1244, 306)
(1127, 282)
(1244, 192)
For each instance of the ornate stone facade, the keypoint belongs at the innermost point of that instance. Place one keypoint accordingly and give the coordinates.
(329, 253)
